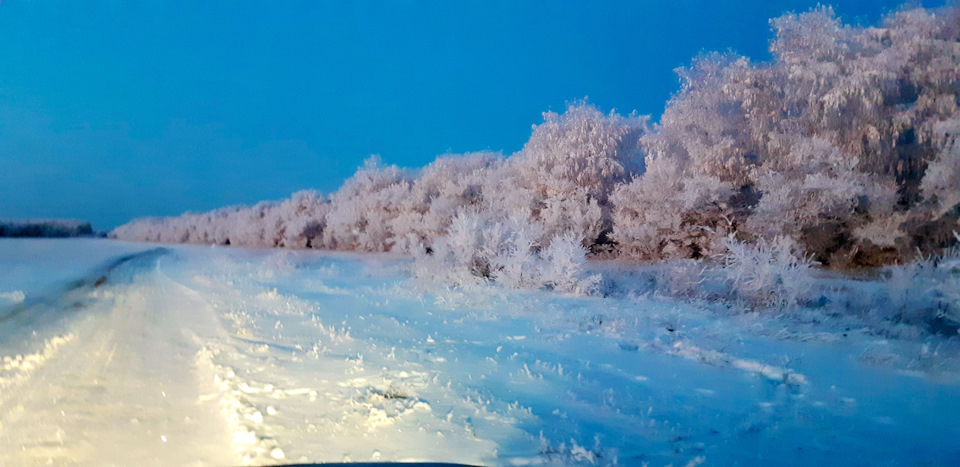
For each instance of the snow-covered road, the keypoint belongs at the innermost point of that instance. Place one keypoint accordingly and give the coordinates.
(121, 384)
(131, 355)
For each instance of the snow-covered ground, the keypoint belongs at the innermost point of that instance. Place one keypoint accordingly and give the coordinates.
(133, 354)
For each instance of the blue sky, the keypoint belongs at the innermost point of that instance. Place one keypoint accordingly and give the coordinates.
(114, 110)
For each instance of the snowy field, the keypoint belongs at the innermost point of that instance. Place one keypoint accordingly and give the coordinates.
(134, 354)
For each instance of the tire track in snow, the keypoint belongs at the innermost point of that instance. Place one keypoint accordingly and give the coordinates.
(126, 390)
(298, 386)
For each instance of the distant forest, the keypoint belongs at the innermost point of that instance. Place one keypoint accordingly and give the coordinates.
(44, 228)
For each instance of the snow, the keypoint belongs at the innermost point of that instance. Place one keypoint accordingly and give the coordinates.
(213, 356)
(35, 267)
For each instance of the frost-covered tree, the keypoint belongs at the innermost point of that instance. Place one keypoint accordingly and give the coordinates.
(568, 169)
(444, 187)
(303, 219)
(941, 182)
(701, 154)
(582, 149)
(363, 209)
(667, 212)
(811, 190)
(708, 126)
(829, 143)
(292, 223)
(876, 94)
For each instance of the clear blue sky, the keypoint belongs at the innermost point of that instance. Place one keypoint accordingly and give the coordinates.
(114, 110)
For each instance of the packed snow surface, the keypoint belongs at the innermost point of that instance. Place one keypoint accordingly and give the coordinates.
(133, 354)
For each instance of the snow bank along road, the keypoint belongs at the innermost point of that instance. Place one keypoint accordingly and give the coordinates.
(127, 354)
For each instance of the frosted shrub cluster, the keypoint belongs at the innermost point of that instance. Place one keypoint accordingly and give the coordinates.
(475, 252)
(844, 142)
(294, 223)
(444, 187)
(363, 210)
(769, 272)
(942, 179)
(523, 221)
(570, 167)
(938, 305)
(949, 285)
(842, 150)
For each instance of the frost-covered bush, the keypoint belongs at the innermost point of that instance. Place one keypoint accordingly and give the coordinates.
(364, 208)
(508, 195)
(941, 182)
(563, 262)
(812, 192)
(459, 258)
(165, 230)
(477, 251)
(480, 218)
(949, 266)
(568, 169)
(843, 132)
(926, 291)
(294, 223)
(582, 149)
(771, 272)
(685, 278)
(669, 213)
(447, 185)
(516, 263)
(303, 219)
(467, 219)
